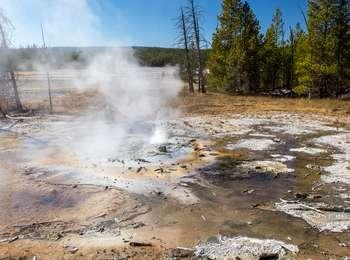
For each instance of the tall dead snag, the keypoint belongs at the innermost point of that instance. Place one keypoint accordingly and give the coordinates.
(47, 72)
(292, 48)
(184, 42)
(196, 30)
(9, 66)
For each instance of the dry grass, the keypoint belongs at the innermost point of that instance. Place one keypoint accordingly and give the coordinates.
(214, 103)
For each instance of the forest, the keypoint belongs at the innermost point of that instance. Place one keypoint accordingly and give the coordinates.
(313, 62)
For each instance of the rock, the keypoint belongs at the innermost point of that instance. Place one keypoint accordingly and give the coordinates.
(182, 252)
(71, 249)
(101, 215)
(315, 196)
(268, 257)
(158, 193)
(314, 167)
(160, 169)
(300, 195)
(248, 191)
(142, 160)
(254, 206)
(57, 236)
(162, 149)
(12, 239)
(140, 169)
(138, 225)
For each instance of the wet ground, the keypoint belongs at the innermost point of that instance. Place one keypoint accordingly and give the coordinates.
(157, 190)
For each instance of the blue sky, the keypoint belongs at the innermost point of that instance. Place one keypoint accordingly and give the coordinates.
(122, 22)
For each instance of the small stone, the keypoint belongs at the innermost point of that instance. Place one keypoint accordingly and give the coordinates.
(162, 149)
(181, 252)
(12, 239)
(299, 195)
(72, 249)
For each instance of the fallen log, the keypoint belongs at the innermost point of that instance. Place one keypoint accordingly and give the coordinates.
(137, 244)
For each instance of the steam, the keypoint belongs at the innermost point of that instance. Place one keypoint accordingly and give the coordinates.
(132, 92)
(136, 98)
(136, 105)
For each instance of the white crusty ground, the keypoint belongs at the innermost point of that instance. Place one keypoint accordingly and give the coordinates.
(254, 144)
(322, 220)
(274, 167)
(308, 150)
(243, 248)
(339, 171)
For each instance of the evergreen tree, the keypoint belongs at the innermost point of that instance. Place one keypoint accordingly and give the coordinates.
(233, 62)
(342, 34)
(303, 69)
(316, 62)
(270, 60)
(274, 58)
(322, 45)
(224, 60)
(295, 37)
(250, 45)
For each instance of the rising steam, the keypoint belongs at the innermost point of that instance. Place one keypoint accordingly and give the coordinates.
(136, 98)
(137, 102)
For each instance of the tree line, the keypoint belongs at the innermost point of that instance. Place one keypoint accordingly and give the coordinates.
(314, 62)
(26, 58)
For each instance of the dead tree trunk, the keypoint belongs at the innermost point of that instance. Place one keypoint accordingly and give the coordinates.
(2, 112)
(11, 72)
(47, 73)
(292, 44)
(201, 86)
(15, 90)
(187, 53)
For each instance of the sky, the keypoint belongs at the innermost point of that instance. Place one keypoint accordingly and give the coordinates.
(122, 22)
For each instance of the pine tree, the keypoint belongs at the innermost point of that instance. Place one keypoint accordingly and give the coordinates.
(303, 65)
(322, 45)
(270, 60)
(234, 60)
(294, 40)
(342, 34)
(274, 59)
(250, 45)
(225, 58)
